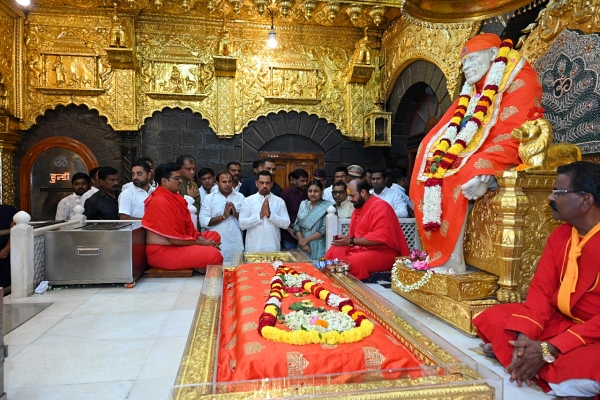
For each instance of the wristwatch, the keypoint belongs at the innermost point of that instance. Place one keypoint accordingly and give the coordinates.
(351, 241)
(546, 355)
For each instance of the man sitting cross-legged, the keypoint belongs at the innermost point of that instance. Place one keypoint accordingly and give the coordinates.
(375, 238)
(554, 337)
(172, 242)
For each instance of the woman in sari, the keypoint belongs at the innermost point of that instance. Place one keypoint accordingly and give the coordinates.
(310, 223)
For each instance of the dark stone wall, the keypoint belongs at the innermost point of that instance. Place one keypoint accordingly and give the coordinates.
(172, 132)
(77, 122)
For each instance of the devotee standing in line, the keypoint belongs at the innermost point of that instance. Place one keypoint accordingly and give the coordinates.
(188, 173)
(379, 179)
(235, 169)
(320, 175)
(340, 174)
(81, 184)
(366, 176)
(95, 185)
(354, 172)
(220, 213)
(131, 199)
(375, 238)
(103, 204)
(6, 222)
(249, 185)
(309, 225)
(263, 215)
(343, 206)
(293, 196)
(148, 161)
(554, 337)
(206, 176)
(400, 184)
(458, 158)
(172, 242)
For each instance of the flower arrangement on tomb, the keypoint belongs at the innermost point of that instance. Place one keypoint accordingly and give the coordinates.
(310, 325)
(466, 123)
(419, 261)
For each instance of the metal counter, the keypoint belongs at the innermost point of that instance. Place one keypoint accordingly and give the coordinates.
(98, 252)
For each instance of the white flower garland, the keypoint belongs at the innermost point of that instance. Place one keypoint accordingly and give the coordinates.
(415, 286)
(432, 204)
(335, 300)
(336, 321)
(295, 281)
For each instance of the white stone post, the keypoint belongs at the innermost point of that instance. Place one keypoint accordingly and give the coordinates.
(21, 256)
(78, 215)
(331, 226)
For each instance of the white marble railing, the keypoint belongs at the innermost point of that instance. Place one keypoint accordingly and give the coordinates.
(27, 251)
(336, 226)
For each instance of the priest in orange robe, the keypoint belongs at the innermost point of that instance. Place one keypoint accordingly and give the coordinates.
(457, 160)
(375, 237)
(554, 337)
(172, 242)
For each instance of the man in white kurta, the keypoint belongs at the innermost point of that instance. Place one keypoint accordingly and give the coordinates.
(378, 181)
(131, 199)
(263, 215)
(81, 184)
(220, 213)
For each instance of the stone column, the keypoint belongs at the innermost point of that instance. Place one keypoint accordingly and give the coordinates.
(128, 154)
(10, 136)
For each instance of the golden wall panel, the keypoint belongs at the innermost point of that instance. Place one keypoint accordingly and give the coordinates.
(11, 50)
(405, 42)
(583, 15)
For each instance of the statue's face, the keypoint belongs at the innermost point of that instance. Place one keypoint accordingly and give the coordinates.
(476, 65)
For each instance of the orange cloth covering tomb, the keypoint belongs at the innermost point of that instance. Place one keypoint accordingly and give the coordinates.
(245, 355)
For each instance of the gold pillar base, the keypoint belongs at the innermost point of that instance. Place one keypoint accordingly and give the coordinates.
(475, 285)
(459, 314)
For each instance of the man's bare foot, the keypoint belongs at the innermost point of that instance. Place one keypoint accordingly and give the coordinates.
(487, 350)
(477, 186)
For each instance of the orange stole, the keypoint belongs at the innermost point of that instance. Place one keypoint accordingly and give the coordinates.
(245, 355)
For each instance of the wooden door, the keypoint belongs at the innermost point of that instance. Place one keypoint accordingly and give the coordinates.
(287, 162)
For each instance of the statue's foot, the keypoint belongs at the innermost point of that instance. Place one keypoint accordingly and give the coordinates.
(477, 186)
(487, 350)
(456, 262)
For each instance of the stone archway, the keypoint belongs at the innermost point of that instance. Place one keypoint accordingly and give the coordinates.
(418, 99)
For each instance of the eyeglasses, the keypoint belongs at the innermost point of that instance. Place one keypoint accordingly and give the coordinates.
(177, 178)
(340, 192)
(564, 191)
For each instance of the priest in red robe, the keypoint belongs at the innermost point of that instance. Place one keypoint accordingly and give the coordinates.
(172, 242)
(375, 237)
(554, 337)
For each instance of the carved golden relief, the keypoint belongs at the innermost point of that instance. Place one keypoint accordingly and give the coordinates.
(11, 55)
(404, 42)
(557, 16)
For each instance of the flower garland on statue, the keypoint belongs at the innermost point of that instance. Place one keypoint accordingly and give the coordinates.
(418, 260)
(321, 326)
(467, 120)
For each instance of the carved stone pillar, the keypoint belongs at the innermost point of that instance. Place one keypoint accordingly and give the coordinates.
(509, 206)
(128, 154)
(10, 136)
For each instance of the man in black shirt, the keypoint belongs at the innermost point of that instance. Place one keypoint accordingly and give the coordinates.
(104, 204)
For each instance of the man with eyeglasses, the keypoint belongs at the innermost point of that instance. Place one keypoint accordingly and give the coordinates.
(340, 174)
(554, 337)
(172, 242)
(343, 206)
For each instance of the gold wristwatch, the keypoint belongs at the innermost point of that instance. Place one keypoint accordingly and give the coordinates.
(546, 355)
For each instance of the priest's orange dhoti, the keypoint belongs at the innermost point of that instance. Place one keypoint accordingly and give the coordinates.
(244, 354)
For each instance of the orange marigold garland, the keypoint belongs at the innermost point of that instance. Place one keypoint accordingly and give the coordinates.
(268, 319)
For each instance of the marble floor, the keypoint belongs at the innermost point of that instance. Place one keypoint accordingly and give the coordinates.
(116, 343)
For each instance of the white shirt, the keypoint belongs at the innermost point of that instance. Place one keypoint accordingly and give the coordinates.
(327, 194)
(64, 210)
(126, 186)
(203, 193)
(394, 200)
(88, 194)
(213, 205)
(131, 200)
(402, 192)
(263, 234)
(239, 185)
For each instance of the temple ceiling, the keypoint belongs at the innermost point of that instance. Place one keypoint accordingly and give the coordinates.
(463, 10)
